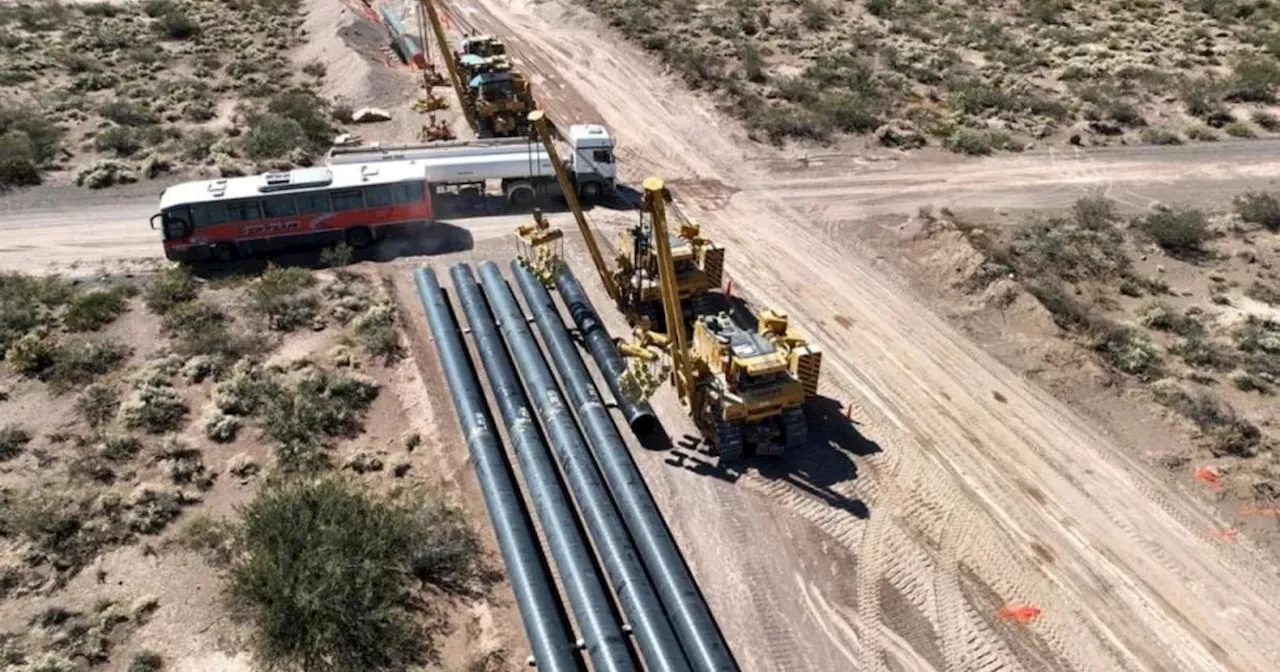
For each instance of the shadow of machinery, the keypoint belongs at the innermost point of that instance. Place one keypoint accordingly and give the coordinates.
(826, 460)
(459, 205)
(411, 240)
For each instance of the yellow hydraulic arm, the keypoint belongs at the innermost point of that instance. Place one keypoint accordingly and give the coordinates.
(459, 86)
(682, 368)
(539, 122)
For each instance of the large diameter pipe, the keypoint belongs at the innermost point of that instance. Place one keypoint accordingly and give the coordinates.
(584, 586)
(698, 633)
(639, 415)
(550, 637)
(617, 553)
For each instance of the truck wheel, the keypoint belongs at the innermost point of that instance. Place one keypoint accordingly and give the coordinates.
(521, 196)
(359, 238)
(591, 191)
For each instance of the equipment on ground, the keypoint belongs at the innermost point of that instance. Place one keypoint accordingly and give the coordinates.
(523, 168)
(433, 130)
(745, 389)
(430, 103)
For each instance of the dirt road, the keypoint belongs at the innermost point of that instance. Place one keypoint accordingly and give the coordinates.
(985, 491)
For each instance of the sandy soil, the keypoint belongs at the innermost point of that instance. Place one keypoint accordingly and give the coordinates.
(980, 488)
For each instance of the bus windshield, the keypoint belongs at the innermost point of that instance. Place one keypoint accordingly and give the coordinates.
(175, 222)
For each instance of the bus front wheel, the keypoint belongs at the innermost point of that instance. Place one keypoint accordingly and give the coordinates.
(225, 253)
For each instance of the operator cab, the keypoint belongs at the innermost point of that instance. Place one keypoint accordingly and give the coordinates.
(593, 151)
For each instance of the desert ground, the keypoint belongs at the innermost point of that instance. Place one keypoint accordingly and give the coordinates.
(977, 447)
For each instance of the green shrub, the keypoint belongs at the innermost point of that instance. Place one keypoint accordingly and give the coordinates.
(283, 296)
(13, 439)
(1095, 213)
(29, 140)
(156, 409)
(98, 404)
(308, 110)
(1201, 353)
(271, 137)
(1261, 291)
(1254, 80)
(377, 332)
(18, 167)
(1239, 129)
(168, 288)
(1202, 134)
(120, 141)
(300, 419)
(127, 113)
(93, 309)
(1154, 135)
(320, 569)
(968, 141)
(146, 661)
(177, 25)
(1266, 120)
(1230, 434)
(1129, 352)
(1259, 207)
(1161, 316)
(1179, 231)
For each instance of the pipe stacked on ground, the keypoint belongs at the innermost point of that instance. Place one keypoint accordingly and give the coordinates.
(640, 415)
(544, 621)
(699, 635)
(635, 593)
(585, 588)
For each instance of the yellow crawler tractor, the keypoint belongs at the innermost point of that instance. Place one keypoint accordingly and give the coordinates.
(745, 389)
(699, 269)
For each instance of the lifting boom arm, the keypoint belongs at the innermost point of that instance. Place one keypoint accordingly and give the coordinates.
(539, 122)
(682, 369)
(459, 87)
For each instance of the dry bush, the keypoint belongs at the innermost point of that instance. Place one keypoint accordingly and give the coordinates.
(1182, 232)
(1129, 352)
(29, 141)
(284, 297)
(1228, 432)
(154, 408)
(168, 288)
(1259, 207)
(1261, 291)
(1161, 316)
(95, 308)
(376, 329)
(282, 577)
(13, 440)
(299, 420)
(1154, 135)
(98, 404)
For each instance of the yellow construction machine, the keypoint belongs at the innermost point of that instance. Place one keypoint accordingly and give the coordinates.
(634, 285)
(745, 389)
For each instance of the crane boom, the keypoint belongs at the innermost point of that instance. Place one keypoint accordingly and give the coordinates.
(539, 122)
(682, 369)
(459, 87)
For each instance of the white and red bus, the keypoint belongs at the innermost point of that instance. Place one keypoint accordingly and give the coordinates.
(230, 218)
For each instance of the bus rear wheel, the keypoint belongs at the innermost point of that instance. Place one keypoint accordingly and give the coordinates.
(359, 238)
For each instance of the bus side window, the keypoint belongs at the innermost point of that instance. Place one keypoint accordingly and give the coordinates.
(243, 211)
(347, 199)
(378, 196)
(278, 206)
(312, 203)
(208, 214)
(407, 192)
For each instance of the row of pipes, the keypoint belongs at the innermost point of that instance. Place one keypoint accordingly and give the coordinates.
(639, 565)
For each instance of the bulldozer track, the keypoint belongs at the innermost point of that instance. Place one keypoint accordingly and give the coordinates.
(873, 564)
(779, 641)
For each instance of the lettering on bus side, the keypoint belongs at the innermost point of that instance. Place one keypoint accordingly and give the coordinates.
(270, 227)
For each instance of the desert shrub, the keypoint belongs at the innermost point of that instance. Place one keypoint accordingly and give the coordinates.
(315, 69)
(1096, 213)
(300, 419)
(29, 140)
(182, 463)
(98, 404)
(32, 354)
(1259, 207)
(1250, 382)
(1161, 316)
(245, 391)
(1202, 134)
(120, 141)
(319, 568)
(119, 448)
(1154, 135)
(1198, 352)
(201, 329)
(13, 439)
(271, 136)
(168, 288)
(93, 309)
(980, 143)
(175, 24)
(154, 408)
(18, 166)
(1266, 120)
(27, 302)
(336, 256)
(1179, 231)
(198, 145)
(64, 364)
(282, 296)
(146, 661)
(66, 531)
(1127, 351)
(1239, 129)
(219, 426)
(445, 549)
(376, 330)
(1261, 291)
(1062, 249)
(1254, 80)
(1228, 432)
(308, 110)
(127, 113)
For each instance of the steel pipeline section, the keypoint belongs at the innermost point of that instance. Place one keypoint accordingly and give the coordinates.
(699, 635)
(603, 350)
(618, 554)
(586, 590)
(544, 621)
